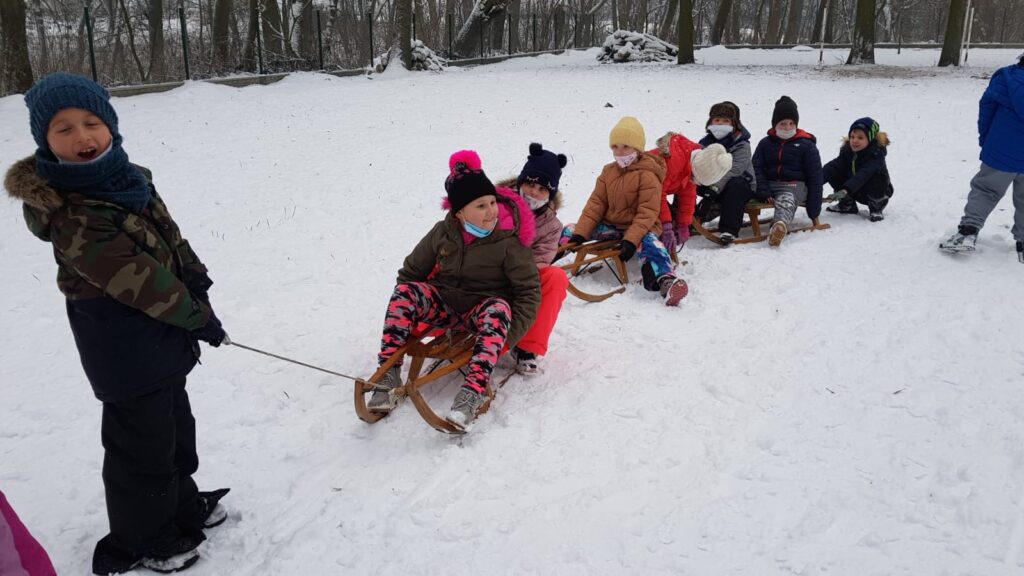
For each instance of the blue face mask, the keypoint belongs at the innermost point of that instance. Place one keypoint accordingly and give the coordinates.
(476, 230)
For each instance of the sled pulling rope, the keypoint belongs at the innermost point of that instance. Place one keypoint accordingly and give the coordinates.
(230, 342)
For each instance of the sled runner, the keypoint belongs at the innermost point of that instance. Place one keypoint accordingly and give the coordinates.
(439, 347)
(754, 222)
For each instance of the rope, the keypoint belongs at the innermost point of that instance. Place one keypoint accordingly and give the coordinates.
(230, 342)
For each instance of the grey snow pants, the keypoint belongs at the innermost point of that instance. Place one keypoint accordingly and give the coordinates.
(788, 195)
(987, 188)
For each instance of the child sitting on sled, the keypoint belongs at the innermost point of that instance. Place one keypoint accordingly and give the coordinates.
(473, 270)
(687, 166)
(625, 204)
(859, 173)
(787, 168)
(538, 185)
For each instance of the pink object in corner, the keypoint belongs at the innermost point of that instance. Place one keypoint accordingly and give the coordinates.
(20, 553)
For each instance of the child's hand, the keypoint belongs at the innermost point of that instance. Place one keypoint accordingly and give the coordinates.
(577, 239)
(627, 251)
(771, 200)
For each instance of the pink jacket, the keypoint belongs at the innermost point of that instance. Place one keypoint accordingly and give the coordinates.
(549, 230)
(20, 554)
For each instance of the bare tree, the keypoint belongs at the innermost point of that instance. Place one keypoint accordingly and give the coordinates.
(685, 32)
(954, 33)
(721, 21)
(157, 58)
(404, 23)
(793, 21)
(771, 35)
(16, 73)
(219, 35)
(862, 49)
(469, 34)
(670, 15)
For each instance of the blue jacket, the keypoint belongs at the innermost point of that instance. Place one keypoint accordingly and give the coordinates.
(796, 159)
(1001, 120)
(851, 170)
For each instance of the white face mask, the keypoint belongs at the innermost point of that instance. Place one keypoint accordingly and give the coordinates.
(786, 134)
(624, 161)
(720, 131)
(533, 203)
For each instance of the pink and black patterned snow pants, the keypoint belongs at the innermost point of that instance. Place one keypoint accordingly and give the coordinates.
(418, 302)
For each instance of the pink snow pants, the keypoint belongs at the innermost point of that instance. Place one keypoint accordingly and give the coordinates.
(20, 554)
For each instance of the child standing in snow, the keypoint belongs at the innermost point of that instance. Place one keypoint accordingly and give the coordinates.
(733, 189)
(1001, 135)
(538, 185)
(859, 173)
(473, 270)
(787, 168)
(137, 301)
(687, 165)
(626, 203)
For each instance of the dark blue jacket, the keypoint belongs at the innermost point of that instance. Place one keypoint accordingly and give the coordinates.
(851, 170)
(1001, 120)
(796, 159)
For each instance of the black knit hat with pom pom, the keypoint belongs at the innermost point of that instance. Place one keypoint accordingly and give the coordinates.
(543, 167)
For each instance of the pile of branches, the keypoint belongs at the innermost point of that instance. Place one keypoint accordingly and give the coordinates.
(626, 46)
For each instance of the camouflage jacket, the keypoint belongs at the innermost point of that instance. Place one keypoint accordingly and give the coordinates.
(134, 286)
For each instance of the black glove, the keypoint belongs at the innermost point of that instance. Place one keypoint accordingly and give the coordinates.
(627, 251)
(577, 239)
(708, 193)
(212, 333)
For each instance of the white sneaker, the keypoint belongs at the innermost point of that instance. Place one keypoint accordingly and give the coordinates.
(958, 243)
(726, 238)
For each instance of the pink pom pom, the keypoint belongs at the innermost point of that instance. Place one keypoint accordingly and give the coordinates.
(468, 157)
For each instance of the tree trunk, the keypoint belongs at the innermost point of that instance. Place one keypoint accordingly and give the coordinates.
(615, 15)
(16, 75)
(954, 33)
(468, 37)
(830, 19)
(219, 35)
(819, 16)
(670, 15)
(721, 21)
(733, 36)
(403, 21)
(273, 37)
(774, 21)
(685, 32)
(157, 58)
(862, 49)
(44, 43)
(796, 9)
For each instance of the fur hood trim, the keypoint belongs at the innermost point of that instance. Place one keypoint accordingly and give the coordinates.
(23, 184)
(555, 204)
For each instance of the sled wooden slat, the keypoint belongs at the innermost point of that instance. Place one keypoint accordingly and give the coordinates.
(454, 348)
(754, 222)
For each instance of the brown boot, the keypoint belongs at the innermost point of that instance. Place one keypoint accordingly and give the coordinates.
(777, 233)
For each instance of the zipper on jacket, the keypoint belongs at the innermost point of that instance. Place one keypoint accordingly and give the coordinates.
(778, 169)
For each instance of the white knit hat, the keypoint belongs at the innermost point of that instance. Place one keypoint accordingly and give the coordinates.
(710, 164)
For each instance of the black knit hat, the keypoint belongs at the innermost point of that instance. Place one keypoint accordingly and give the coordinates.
(466, 180)
(785, 109)
(542, 167)
(725, 110)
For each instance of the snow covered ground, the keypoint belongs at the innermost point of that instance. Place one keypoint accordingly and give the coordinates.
(846, 405)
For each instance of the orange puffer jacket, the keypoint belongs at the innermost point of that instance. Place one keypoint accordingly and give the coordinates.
(627, 198)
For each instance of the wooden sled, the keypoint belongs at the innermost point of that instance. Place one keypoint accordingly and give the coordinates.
(452, 347)
(591, 257)
(754, 222)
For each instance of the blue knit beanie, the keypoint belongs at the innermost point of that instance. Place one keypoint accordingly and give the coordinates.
(869, 126)
(542, 167)
(58, 91)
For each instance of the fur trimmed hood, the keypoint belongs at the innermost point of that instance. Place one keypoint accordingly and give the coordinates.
(514, 214)
(23, 184)
(556, 202)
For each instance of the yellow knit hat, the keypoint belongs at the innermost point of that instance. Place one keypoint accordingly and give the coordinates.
(629, 132)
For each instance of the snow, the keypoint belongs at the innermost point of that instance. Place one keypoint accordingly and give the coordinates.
(848, 404)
